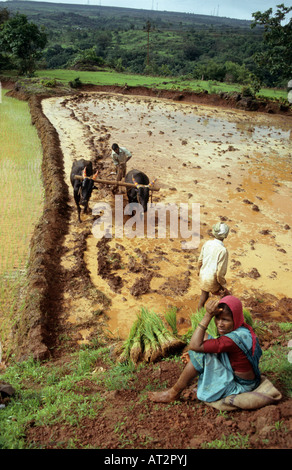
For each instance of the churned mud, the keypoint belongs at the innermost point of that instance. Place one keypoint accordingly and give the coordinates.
(235, 165)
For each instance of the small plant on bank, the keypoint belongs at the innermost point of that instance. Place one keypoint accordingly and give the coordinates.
(76, 83)
(49, 83)
(247, 91)
(233, 441)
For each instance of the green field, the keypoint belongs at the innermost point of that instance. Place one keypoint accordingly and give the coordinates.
(108, 77)
(21, 198)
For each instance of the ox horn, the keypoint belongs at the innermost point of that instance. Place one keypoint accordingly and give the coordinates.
(84, 172)
(95, 176)
(152, 183)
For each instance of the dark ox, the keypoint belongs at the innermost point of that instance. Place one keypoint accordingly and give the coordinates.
(82, 187)
(139, 194)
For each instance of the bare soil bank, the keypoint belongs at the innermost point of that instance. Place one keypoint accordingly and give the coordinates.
(224, 100)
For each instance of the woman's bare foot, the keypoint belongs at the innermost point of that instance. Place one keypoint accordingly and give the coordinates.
(166, 396)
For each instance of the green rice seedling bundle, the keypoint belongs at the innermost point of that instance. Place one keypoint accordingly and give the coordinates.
(247, 317)
(257, 326)
(168, 341)
(198, 316)
(195, 320)
(152, 351)
(136, 350)
(212, 329)
(149, 340)
(170, 317)
(127, 346)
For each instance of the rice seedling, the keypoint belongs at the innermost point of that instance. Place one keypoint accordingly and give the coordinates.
(136, 349)
(195, 318)
(170, 317)
(168, 342)
(147, 347)
(149, 340)
(125, 349)
(247, 317)
(21, 198)
(154, 353)
(21, 195)
(258, 327)
(233, 441)
(212, 329)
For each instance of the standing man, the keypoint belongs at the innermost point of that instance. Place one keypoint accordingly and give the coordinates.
(120, 156)
(212, 264)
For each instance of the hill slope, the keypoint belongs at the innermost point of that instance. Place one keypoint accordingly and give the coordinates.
(96, 12)
(176, 44)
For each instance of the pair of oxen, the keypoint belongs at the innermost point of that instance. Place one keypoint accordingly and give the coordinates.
(84, 186)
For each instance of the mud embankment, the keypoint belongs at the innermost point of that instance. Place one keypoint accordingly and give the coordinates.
(233, 100)
(31, 332)
(224, 100)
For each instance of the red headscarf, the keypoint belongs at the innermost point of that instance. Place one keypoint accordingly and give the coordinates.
(235, 306)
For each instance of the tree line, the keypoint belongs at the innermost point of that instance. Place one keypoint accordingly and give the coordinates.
(224, 52)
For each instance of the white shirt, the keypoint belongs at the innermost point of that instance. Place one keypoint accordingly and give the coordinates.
(122, 156)
(213, 262)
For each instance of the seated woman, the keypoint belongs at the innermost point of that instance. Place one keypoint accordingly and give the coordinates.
(227, 365)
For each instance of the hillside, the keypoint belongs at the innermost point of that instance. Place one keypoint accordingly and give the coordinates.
(97, 14)
(177, 43)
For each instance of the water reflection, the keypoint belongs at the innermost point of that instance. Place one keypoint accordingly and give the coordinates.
(149, 115)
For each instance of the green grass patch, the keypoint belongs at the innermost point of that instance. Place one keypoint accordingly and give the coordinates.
(233, 441)
(21, 196)
(48, 393)
(110, 78)
(276, 366)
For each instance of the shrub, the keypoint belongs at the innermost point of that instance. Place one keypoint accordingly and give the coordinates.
(247, 91)
(49, 83)
(76, 83)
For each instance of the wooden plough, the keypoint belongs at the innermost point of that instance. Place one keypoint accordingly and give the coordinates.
(117, 183)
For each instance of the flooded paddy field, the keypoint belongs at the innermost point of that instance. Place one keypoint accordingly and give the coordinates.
(236, 165)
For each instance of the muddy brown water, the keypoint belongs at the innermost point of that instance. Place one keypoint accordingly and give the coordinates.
(236, 165)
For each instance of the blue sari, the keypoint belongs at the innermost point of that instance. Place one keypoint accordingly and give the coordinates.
(216, 376)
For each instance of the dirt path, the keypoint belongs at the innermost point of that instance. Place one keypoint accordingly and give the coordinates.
(236, 165)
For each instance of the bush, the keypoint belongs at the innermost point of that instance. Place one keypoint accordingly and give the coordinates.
(49, 83)
(247, 91)
(76, 83)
